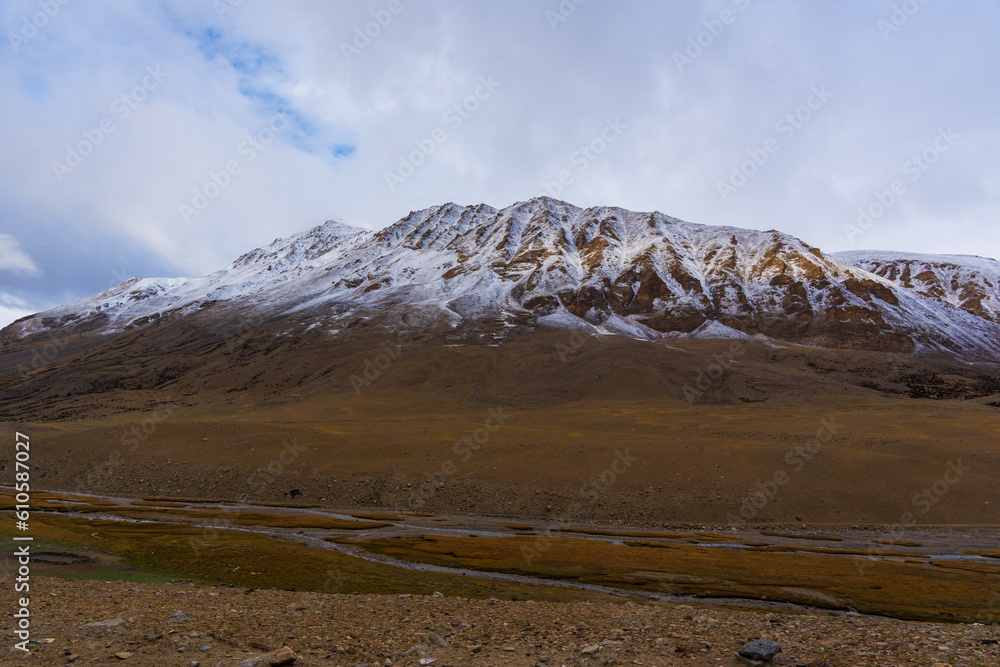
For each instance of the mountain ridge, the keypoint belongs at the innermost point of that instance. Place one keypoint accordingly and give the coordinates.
(547, 263)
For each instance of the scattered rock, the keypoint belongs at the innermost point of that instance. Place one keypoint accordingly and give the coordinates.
(252, 662)
(591, 649)
(434, 639)
(194, 663)
(179, 617)
(427, 661)
(260, 646)
(477, 648)
(283, 656)
(760, 649)
(205, 648)
(110, 623)
(990, 642)
(123, 655)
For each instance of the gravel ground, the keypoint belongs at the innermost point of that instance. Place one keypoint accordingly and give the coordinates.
(230, 626)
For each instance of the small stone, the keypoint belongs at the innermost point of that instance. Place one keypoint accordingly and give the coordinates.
(760, 649)
(252, 662)
(707, 645)
(990, 642)
(179, 617)
(434, 639)
(123, 655)
(205, 648)
(260, 646)
(591, 649)
(427, 661)
(194, 663)
(110, 623)
(283, 656)
(477, 648)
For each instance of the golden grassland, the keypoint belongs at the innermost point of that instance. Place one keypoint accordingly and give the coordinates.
(241, 558)
(911, 590)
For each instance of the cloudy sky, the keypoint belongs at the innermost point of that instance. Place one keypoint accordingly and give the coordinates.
(166, 138)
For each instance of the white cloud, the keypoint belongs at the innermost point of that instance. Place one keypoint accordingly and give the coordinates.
(226, 76)
(12, 308)
(12, 258)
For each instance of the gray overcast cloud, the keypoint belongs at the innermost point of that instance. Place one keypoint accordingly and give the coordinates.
(166, 138)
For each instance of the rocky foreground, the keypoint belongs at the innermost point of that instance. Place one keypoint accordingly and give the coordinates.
(96, 622)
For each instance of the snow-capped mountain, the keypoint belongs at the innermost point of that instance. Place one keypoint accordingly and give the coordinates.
(969, 282)
(546, 263)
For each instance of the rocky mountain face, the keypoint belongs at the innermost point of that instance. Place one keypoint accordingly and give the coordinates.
(966, 281)
(544, 263)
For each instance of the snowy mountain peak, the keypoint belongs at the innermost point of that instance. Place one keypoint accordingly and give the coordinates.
(548, 263)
